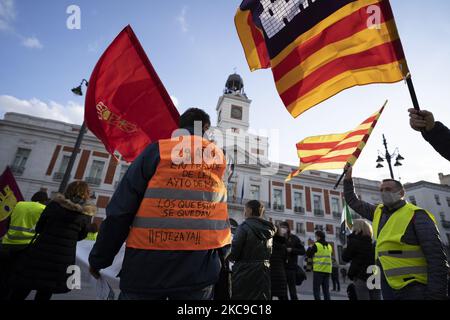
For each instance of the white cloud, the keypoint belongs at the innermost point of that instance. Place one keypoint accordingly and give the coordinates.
(175, 101)
(32, 43)
(7, 14)
(181, 18)
(71, 112)
(7, 18)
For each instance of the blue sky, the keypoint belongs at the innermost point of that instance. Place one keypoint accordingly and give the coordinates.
(193, 46)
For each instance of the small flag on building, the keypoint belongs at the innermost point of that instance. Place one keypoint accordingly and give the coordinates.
(346, 223)
(317, 49)
(9, 196)
(127, 106)
(334, 151)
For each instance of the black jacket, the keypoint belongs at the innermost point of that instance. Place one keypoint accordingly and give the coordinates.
(251, 250)
(421, 231)
(360, 251)
(439, 138)
(278, 262)
(148, 271)
(298, 249)
(44, 264)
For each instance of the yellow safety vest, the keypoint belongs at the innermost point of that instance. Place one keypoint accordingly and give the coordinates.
(23, 221)
(402, 263)
(185, 205)
(91, 236)
(322, 259)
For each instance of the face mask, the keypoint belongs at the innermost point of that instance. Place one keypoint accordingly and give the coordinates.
(390, 198)
(283, 231)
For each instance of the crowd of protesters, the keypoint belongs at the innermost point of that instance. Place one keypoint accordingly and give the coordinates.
(402, 246)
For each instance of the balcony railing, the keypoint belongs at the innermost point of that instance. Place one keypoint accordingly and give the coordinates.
(278, 207)
(58, 176)
(93, 181)
(319, 212)
(299, 210)
(337, 215)
(17, 170)
(445, 224)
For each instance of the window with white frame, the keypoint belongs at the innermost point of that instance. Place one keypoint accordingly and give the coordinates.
(254, 192)
(300, 228)
(437, 199)
(21, 158)
(298, 201)
(96, 169)
(64, 163)
(335, 207)
(278, 199)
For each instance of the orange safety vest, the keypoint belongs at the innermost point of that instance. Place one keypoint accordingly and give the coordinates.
(185, 204)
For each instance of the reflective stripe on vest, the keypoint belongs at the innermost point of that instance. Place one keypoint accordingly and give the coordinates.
(322, 259)
(193, 195)
(402, 263)
(185, 204)
(23, 221)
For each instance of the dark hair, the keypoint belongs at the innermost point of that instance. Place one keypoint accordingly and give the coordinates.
(256, 207)
(397, 183)
(320, 234)
(40, 196)
(77, 192)
(191, 115)
(284, 224)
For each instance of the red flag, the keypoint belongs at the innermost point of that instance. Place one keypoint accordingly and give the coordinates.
(127, 106)
(9, 195)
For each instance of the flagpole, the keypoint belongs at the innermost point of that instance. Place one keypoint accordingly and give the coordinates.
(412, 92)
(73, 156)
(340, 179)
(62, 187)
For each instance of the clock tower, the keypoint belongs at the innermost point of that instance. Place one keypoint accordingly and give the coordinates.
(233, 107)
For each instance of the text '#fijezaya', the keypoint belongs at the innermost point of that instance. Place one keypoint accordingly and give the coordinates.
(173, 236)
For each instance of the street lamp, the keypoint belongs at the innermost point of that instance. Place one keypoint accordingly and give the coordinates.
(78, 90)
(389, 157)
(62, 187)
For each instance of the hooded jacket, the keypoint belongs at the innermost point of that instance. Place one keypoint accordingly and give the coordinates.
(278, 264)
(44, 264)
(360, 251)
(251, 251)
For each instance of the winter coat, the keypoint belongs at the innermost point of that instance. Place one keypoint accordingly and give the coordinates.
(251, 250)
(360, 252)
(421, 231)
(297, 247)
(148, 271)
(439, 138)
(44, 264)
(278, 262)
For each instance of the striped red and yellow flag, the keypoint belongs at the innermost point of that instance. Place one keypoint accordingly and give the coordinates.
(317, 48)
(334, 151)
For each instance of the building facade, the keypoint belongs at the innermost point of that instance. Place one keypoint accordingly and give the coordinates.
(38, 151)
(436, 199)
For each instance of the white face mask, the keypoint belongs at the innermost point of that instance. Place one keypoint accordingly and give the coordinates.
(283, 231)
(390, 198)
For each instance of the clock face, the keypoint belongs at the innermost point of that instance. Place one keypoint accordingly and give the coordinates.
(236, 112)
